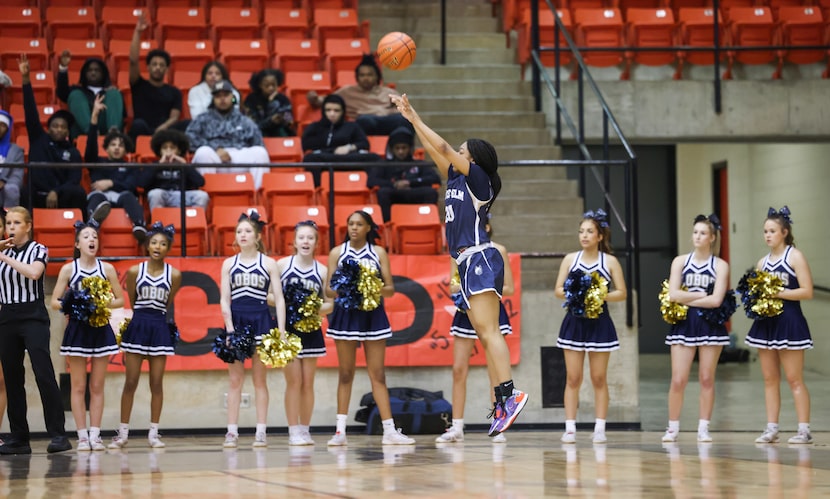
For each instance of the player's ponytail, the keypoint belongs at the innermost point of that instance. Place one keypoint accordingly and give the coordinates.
(484, 155)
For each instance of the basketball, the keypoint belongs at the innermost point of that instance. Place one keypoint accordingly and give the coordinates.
(396, 50)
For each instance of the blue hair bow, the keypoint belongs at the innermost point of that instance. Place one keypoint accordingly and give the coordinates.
(158, 228)
(79, 225)
(783, 213)
(253, 217)
(598, 216)
(712, 219)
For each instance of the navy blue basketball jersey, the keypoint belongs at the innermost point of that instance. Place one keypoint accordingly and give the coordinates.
(309, 278)
(78, 274)
(249, 283)
(152, 292)
(698, 277)
(367, 253)
(599, 266)
(782, 269)
(465, 204)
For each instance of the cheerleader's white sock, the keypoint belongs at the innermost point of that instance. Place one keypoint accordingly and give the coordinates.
(341, 423)
(570, 426)
(94, 433)
(261, 427)
(599, 426)
(233, 429)
(388, 426)
(154, 430)
(83, 434)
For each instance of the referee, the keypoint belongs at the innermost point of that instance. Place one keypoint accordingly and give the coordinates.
(24, 326)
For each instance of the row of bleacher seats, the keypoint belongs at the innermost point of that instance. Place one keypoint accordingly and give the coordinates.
(655, 28)
(151, 5)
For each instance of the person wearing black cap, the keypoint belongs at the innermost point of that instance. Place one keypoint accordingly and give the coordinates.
(403, 184)
(224, 135)
(52, 187)
(95, 80)
(333, 139)
(369, 102)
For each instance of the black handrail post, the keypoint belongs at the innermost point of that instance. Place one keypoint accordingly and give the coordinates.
(716, 7)
(556, 76)
(443, 32)
(629, 253)
(534, 42)
(581, 105)
(331, 205)
(183, 209)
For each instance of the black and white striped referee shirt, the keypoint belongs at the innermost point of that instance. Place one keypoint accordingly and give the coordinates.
(14, 287)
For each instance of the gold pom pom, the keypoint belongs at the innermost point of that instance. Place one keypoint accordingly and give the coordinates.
(672, 312)
(455, 280)
(766, 286)
(595, 296)
(310, 312)
(100, 291)
(369, 285)
(122, 328)
(276, 352)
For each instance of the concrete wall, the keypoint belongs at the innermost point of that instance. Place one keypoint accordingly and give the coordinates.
(760, 176)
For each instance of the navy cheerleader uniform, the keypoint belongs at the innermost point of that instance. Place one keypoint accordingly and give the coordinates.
(359, 325)
(249, 297)
(313, 343)
(480, 264)
(462, 328)
(695, 331)
(81, 339)
(787, 330)
(148, 332)
(589, 335)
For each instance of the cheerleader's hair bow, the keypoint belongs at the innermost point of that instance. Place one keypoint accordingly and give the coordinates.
(79, 226)
(712, 219)
(254, 218)
(783, 213)
(598, 216)
(158, 228)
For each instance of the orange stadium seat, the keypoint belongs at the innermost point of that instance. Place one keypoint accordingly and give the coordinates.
(695, 30)
(117, 235)
(287, 189)
(349, 188)
(81, 50)
(20, 22)
(196, 229)
(624, 5)
(77, 23)
(727, 5)
(296, 54)
(19, 116)
(546, 37)
(650, 28)
(143, 150)
(43, 85)
(184, 80)
(229, 189)
(119, 56)
(298, 83)
(377, 144)
(750, 26)
(53, 228)
(511, 15)
(44, 112)
(676, 5)
(341, 216)
(223, 227)
(344, 78)
(599, 28)
(244, 55)
(180, 23)
(416, 229)
(802, 26)
(189, 55)
(344, 54)
(590, 4)
(35, 49)
(284, 218)
(118, 23)
(284, 149)
(235, 23)
(282, 23)
(337, 23)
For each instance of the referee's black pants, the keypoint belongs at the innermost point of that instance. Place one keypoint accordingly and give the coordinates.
(25, 327)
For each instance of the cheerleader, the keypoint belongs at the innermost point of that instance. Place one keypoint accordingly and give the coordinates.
(597, 337)
(781, 340)
(247, 278)
(83, 343)
(699, 271)
(151, 288)
(473, 183)
(371, 328)
(302, 269)
(464, 340)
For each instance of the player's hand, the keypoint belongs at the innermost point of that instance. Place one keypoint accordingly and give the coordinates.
(23, 65)
(66, 58)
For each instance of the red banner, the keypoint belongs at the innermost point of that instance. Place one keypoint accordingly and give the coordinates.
(420, 313)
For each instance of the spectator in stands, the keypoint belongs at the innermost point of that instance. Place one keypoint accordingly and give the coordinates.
(200, 96)
(267, 106)
(95, 80)
(156, 105)
(11, 177)
(333, 139)
(225, 135)
(53, 187)
(403, 184)
(110, 186)
(162, 184)
(369, 102)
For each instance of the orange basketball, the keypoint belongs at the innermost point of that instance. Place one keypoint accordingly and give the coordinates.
(396, 50)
